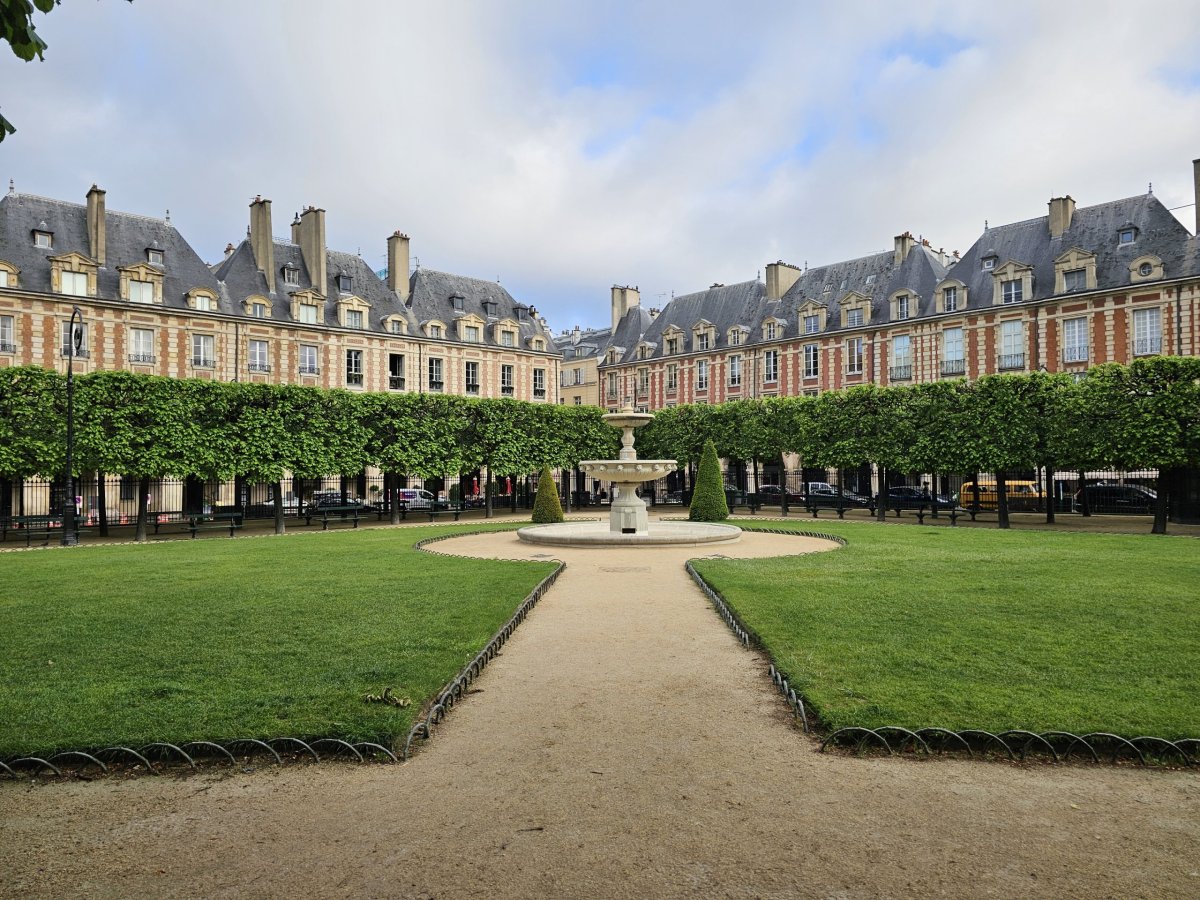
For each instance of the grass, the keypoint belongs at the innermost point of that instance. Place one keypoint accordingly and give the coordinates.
(220, 639)
(964, 628)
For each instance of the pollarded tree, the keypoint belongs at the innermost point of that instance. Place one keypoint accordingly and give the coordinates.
(1006, 430)
(498, 435)
(32, 422)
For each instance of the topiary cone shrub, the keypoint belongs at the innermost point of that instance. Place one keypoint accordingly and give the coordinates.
(546, 508)
(708, 500)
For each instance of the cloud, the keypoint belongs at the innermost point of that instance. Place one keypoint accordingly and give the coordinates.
(564, 147)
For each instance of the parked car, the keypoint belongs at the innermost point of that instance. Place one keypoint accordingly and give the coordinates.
(1131, 499)
(322, 499)
(908, 497)
(825, 496)
(772, 495)
(1023, 496)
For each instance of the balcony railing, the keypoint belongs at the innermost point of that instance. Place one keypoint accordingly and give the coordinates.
(6, 347)
(258, 367)
(506, 390)
(539, 393)
(1075, 354)
(203, 362)
(82, 354)
(1009, 361)
(310, 370)
(900, 373)
(954, 367)
(436, 386)
(396, 382)
(854, 369)
(735, 381)
(1147, 346)
(672, 387)
(472, 389)
(354, 378)
(141, 357)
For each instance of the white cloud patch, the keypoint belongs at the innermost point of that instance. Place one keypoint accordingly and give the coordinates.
(564, 147)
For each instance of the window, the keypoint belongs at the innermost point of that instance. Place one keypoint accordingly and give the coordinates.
(702, 340)
(258, 360)
(291, 275)
(308, 313)
(1075, 342)
(1147, 332)
(396, 371)
(735, 371)
(141, 345)
(435, 331)
(43, 239)
(538, 344)
(3, 277)
(643, 381)
(354, 318)
(471, 334)
(854, 356)
(140, 291)
(854, 318)
(672, 346)
(1012, 345)
(396, 326)
(1126, 235)
(539, 383)
(354, 367)
(471, 377)
(507, 339)
(989, 263)
(1144, 270)
(672, 377)
(578, 400)
(258, 310)
(812, 324)
(1075, 280)
(772, 328)
(610, 389)
(74, 284)
(870, 279)
(578, 373)
(456, 300)
(345, 284)
(735, 337)
(812, 365)
(771, 367)
(901, 368)
(950, 299)
(435, 374)
(308, 360)
(6, 335)
(202, 351)
(702, 375)
(203, 302)
(902, 307)
(1011, 291)
(953, 361)
(80, 347)
(154, 257)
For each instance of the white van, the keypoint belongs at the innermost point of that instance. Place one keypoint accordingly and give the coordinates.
(416, 498)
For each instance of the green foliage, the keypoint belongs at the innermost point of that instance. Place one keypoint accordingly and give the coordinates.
(546, 508)
(32, 422)
(962, 628)
(708, 499)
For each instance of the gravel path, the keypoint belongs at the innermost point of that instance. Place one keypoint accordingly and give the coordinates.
(622, 745)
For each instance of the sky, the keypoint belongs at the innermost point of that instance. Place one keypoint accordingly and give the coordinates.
(562, 147)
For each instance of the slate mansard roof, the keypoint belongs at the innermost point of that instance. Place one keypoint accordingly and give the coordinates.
(127, 239)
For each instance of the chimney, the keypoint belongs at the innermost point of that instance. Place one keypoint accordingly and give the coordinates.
(575, 335)
(261, 241)
(780, 278)
(1062, 209)
(312, 247)
(228, 250)
(296, 228)
(1196, 178)
(623, 299)
(397, 256)
(904, 243)
(95, 223)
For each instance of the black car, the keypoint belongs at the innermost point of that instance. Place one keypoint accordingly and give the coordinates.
(907, 497)
(831, 498)
(1131, 499)
(772, 495)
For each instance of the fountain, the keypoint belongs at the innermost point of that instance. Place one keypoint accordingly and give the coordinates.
(628, 523)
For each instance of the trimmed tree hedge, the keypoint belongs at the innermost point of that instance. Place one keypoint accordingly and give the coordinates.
(546, 508)
(708, 500)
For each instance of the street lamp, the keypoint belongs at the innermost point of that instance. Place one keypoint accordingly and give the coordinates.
(70, 537)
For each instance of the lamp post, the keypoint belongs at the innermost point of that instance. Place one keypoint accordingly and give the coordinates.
(74, 345)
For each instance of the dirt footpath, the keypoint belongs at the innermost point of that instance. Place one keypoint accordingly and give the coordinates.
(622, 745)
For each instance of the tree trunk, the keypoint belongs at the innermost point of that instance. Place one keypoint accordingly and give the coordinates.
(393, 494)
(487, 493)
(783, 486)
(882, 496)
(1049, 498)
(143, 490)
(1002, 500)
(102, 501)
(1085, 508)
(280, 527)
(1163, 485)
(933, 494)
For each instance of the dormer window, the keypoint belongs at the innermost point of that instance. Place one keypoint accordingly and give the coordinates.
(74, 284)
(291, 275)
(307, 313)
(1011, 291)
(672, 346)
(1075, 280)
(870, 279)
(141, 291)
(950, 298)
(456, 300)
(902, 311)
(772, 330)
(702, 341)
(354, 318)
(508, 338)
(1126, 235)
(489, 307)
(735, 337)
(988, 263)
(396, 325)
(43, 240)
(203, 303)
(812, 324)
(258, 310)
(154, 257)
(471, 334)
(854, 318)
(1145, 269)
(435, 331)
(538, 344)
(345, 284)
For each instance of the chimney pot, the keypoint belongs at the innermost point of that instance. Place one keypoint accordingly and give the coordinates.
(1196, 178)
(96, 224)
(261, 241)
(312, 248)
(398, 264)
(1062, 210)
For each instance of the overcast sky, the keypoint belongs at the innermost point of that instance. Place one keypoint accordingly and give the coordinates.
(563, 147)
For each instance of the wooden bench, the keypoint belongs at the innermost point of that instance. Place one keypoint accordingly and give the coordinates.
(41, 527)
(210, 521)
(433, 512)
(329, 514)
(381, 513)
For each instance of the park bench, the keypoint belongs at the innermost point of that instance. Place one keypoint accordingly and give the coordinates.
(211, 521)
(435, 511)
(40, 527)
(327, 514)
(381, 513)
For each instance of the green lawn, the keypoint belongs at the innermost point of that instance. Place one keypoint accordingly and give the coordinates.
(258, 637)
(964, 628)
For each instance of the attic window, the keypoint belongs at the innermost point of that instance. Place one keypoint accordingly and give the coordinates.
(345, 284)
(154, 257)
(989, 263)
(1145, 269)
(522, 313)
(435, 331)
(456, 300)
(1126, 235)
(508, 338)
(870, 279)
(43, 239)
(489, 307)
(538, 344)
(291, 275)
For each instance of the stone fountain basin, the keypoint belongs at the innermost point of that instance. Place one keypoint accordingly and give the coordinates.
(629, 470)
